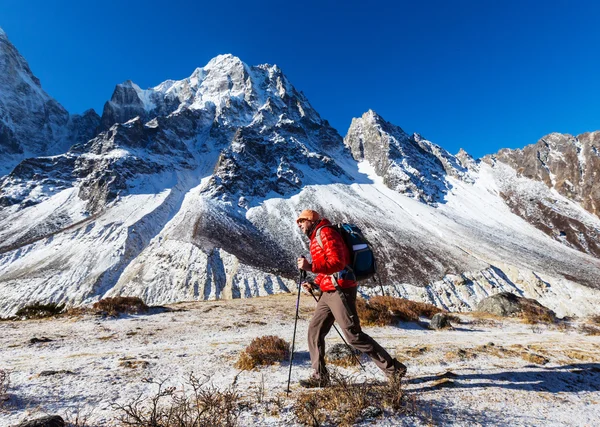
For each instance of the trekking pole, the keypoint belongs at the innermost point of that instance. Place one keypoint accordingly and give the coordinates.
(294, 336)
(338, 331)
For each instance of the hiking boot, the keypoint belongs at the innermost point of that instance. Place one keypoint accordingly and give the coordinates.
(315, 382)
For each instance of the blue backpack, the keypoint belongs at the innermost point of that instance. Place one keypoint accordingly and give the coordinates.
(363, 259)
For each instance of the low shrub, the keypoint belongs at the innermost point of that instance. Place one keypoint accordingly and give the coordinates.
(589, 330)
(533, 312)
(121, 305)
(373, 315)
(39, 310)
(266, 350)
(201, 405)
(385, 310)
(346, 403)
(595, 320)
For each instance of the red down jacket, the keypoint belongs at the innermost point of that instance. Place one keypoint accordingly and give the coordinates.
(332, 258)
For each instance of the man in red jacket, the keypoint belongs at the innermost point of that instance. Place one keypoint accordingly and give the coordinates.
(330, 259)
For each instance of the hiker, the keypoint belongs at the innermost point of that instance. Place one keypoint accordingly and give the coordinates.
(330, 262)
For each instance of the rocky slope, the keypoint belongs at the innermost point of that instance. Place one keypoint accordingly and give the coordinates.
(31, 122)
(410, 165)
(189, 191)
(569, 164)
(562, 164)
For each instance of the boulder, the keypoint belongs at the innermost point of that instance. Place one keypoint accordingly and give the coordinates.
(47, 421)
(440, 321)
(506, 304)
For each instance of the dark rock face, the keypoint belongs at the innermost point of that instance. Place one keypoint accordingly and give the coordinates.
(28, 116)
(408, 164)
(124, 105)
(47, 421)
(569, 164)
(31, 122)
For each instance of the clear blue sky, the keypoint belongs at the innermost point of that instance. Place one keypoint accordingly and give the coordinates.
(478, 74)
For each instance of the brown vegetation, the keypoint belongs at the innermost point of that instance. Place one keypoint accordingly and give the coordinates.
(595, 320)
(121, 305)
(533, 313)
(345, 402)
(385, 310)
(589, 330)
(202, 405)
(39, 310)
(266, 350)
(534, 358)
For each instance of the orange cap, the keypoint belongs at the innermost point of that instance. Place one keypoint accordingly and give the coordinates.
(309, 215)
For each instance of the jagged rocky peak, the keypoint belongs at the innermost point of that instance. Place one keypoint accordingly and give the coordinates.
(32, 123)
(30, 120)
(410, 165)
(239, 95)
(570, 164)
(466, 160)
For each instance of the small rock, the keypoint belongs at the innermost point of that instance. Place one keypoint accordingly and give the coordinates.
(47, 421)
(440, 321)
(371, 412)
(35, 340)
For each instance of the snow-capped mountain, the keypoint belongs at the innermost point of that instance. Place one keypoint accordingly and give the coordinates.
(190, 190)
(410, 165)
(31, 122)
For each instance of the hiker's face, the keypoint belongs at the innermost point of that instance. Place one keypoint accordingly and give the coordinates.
(305, 225)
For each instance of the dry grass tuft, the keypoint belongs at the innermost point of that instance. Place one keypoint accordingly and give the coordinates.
(346, 403)
(533, 313)
(460, 354)
(134, 364)
(496, 350)
(416, 351)
(534, 358)
(385, 310)
(595, 320)
(39, 310)
(582, 355)
(202, 405)
(121, 305)
(266, 350)
(589, 330)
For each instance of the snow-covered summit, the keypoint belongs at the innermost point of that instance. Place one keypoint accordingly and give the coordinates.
(239, 94)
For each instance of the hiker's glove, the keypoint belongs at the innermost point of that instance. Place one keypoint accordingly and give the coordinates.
(309, 287)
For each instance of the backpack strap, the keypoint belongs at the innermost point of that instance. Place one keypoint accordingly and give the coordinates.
(318, 236)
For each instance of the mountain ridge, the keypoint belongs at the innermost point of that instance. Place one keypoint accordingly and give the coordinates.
(192, 194)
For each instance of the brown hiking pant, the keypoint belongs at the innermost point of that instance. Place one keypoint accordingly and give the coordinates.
(331, 308)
